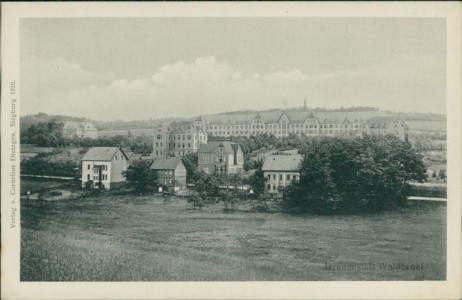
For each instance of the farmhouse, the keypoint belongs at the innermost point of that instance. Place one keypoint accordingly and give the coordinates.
(279, 171)
(223, 157)
(102, 167)
(171, 173)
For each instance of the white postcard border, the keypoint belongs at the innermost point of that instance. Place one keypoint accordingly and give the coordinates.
(12, 288)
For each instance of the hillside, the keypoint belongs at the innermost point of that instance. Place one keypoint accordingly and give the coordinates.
(355, 112)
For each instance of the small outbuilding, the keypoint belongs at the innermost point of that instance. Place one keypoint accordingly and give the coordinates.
(170, 172)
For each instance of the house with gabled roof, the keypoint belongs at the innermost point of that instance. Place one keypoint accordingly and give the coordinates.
(80, 130)
(280, 171)
(222, 157)
(102, 167)
(170, 172)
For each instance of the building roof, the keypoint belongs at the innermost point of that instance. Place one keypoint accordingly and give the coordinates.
(282, 163)
(230, 119)
(170, 163)
(133, 156)
(102, 153)
(210, 147)
(295, 116)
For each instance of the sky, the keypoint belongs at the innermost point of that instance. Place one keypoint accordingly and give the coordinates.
(143, 68)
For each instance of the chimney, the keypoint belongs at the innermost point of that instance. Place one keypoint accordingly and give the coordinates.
(304, 105)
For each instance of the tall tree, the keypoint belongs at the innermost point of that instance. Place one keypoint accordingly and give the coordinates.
(140, 176)
(190, 162)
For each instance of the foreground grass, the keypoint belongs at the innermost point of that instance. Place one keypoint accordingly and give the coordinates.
(134, 238)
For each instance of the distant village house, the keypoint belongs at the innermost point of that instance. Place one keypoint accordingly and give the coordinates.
(222, 157)
(80, 130)
(170, 172)
(280, 171)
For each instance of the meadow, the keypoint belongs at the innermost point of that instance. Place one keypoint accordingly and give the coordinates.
(427, 125)
(117, 237)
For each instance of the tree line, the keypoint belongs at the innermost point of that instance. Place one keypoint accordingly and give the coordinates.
(50, 134)
(354, 175)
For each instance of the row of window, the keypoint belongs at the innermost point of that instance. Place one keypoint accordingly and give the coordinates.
(271, 186)
(175, 145)
(321, 131)
(167, 172)
(179, 153)
(218, 159)
(281, 177)
(104, 167)
(178, 137)
(96, 178)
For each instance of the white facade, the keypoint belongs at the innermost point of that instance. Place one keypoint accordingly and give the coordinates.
(104, 165)
(277, 180)
(90, 171)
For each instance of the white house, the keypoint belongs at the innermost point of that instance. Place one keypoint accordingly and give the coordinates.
(103, 166)
(279, 171)
(80, 130)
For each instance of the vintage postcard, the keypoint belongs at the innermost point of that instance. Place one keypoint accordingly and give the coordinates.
(226, 150)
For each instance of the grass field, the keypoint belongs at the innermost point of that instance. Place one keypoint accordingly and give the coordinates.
(427, 125)
(134, 132)
(38, 184)
(144, 238)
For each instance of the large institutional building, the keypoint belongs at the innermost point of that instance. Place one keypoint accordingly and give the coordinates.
(181, 138)
(178, 138)
(281, 124)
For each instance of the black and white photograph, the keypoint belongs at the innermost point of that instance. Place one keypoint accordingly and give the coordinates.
(164, 147)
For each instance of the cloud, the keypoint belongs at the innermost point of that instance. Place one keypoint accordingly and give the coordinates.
(206, 85)
(48, 76)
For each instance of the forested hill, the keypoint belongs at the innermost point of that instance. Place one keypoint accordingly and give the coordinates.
(28, 120)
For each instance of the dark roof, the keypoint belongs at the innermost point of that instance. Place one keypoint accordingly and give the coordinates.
(224, 119)
(170, 163)
(210, 147)
(133, 156)
(295, 116)
(282, 163)
(102, 153)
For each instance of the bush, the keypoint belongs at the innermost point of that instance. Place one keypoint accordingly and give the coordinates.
(40, 166)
